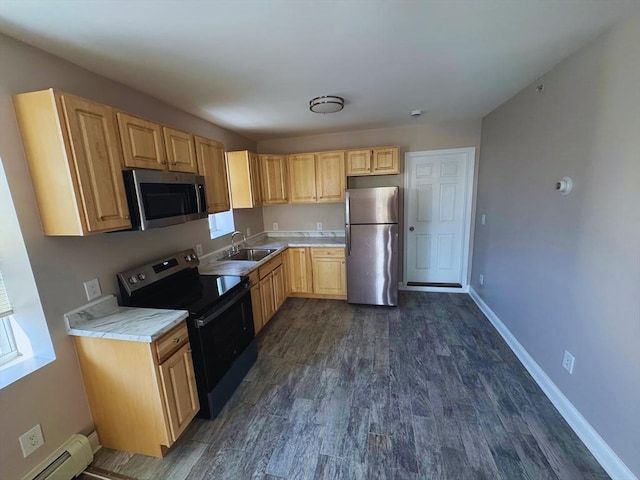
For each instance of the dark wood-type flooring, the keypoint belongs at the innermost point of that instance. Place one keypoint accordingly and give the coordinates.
(428, 390)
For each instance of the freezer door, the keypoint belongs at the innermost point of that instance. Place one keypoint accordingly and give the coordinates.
(372, 205)
(372, 264)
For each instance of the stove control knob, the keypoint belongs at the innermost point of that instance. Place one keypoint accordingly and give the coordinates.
(187, 258)
(141, 276)
(133, 280)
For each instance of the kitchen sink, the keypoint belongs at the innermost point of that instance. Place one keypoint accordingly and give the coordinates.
(250, 254)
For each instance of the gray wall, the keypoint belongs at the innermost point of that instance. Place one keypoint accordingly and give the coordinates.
(563, 272)
(54, 395)
(424, 135)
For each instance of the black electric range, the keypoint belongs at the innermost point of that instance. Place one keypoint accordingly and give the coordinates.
(220, 322)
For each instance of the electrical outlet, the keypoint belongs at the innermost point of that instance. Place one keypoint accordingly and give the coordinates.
(199, 249)
(319, 226)
(481, 279)
(92, 288)
(275, 226)
(248, 232)
(484, 219)
(567, 361)
(31, 440)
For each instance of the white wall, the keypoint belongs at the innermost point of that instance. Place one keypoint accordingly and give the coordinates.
(411, 138)
(54, 395)
(563, 272)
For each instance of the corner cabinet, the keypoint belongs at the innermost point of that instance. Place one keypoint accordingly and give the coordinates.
(374, 161)
(142, 395)
(72, 149)
(212, 166)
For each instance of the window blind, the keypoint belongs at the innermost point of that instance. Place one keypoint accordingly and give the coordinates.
(5, 306)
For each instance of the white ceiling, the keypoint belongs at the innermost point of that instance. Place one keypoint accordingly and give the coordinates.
(252, 66)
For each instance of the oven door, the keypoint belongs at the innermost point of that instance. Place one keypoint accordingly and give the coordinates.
(220, 337)
(158, 199)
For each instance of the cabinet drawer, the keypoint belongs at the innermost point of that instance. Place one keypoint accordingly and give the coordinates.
(268, 267)
(172, 341)
(328, 252)
(253, 277)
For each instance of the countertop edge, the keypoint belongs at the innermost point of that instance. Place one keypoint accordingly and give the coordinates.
(79, 332)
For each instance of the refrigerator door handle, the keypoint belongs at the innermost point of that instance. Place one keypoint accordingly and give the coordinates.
(347, 215)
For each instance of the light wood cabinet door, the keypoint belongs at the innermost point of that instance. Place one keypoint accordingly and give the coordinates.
(358, 162)
(300, 276)
(179, 390)
(254, 178)
(385, 161)
(330, 176)
(142, 143)
(302, 178)
(273, 171)
(212, 166)
(93, 142)
(267, 298)
(278, 287)
(181, 152)
(329, 271)
(256, 306)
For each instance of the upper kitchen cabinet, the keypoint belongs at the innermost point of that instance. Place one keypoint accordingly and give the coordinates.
(273, 172)
(181, 154)
(316, 177)
(375, 161)
(71, 146)
(330, 176)
(302, 178)
(142, 144)
(212, 167)
(149, 145)
(244, 179)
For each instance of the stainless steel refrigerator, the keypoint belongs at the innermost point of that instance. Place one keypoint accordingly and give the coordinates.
(371, 232)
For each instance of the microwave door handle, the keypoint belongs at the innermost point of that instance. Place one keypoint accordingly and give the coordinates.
(199, 192)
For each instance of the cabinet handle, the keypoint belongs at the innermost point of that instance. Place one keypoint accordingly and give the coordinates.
(176, 340)
(163, 162)
(126, 217)
(174, 163)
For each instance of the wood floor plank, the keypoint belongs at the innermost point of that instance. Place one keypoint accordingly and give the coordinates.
(427, 390)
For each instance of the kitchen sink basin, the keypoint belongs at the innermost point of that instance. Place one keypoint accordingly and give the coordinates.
(250, 254)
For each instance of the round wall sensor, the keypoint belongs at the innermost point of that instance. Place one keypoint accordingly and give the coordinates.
(565, 185)
(416, 113)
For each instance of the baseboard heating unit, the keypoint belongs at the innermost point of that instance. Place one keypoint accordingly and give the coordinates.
(66, 463)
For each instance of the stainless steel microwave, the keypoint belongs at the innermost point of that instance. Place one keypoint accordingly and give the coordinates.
(158, 199)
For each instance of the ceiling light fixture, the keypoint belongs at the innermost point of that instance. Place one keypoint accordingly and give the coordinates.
(326, 104)
(415, 113)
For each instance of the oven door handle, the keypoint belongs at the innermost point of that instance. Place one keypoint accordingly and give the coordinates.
(203, 321)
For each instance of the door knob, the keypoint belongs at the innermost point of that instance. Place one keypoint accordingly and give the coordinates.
(411, 229)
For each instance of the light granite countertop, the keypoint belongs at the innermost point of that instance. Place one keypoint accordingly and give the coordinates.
(211, 265)
(104, 318)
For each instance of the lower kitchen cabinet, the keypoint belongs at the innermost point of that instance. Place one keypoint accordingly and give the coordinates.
(329, 272)
(300, 276)
(256, 301)
(272, 288)
(142, 395)
(318, 272)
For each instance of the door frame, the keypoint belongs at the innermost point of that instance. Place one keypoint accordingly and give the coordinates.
(468, 220)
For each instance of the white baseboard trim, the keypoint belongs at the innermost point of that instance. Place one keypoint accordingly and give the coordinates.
(94, 442)
(603, 453)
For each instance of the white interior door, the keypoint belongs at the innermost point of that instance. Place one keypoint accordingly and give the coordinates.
(437, 215)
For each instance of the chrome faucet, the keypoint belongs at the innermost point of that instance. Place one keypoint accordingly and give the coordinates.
(234, 248)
